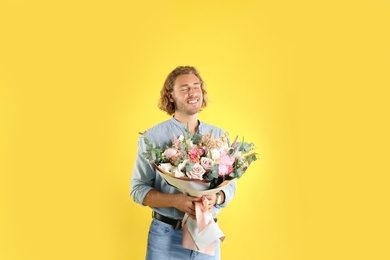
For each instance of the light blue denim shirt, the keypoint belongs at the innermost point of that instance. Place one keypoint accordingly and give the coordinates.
(145, 177)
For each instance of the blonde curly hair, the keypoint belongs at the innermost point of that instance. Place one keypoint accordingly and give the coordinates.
(164, 103)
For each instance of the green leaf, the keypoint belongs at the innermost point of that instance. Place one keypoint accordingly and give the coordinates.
(189, 166)
(195, 139)
(213, 174)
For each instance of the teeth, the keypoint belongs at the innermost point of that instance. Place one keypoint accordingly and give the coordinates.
(192, 101)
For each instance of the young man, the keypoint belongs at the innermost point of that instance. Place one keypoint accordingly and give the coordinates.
(183, 96)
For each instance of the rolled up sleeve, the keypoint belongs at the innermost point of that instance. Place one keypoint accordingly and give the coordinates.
(143, 175)
(230, 191)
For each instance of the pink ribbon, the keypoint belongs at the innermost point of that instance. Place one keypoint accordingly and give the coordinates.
(203, 219)
(203, 215)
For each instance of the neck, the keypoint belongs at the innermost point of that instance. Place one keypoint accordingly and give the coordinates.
(188, 120)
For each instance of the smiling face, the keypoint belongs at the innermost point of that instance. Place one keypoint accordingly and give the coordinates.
(187, 95)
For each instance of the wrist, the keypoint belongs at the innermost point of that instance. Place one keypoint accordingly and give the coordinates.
(218, 200)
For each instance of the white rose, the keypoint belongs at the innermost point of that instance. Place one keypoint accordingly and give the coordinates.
(167, 167)
(178, 173)
(182, 165)
(215, 154)
(181, 169)
(206, 163)
(196, 172)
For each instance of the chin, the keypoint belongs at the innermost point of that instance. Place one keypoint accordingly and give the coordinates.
(193, 112)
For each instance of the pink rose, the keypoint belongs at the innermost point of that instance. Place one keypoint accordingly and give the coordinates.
(196, 172)
(170, 152)
(224, 169)
(225, 166)
(206, 163)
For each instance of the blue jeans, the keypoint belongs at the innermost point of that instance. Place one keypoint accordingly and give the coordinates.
(164, 243)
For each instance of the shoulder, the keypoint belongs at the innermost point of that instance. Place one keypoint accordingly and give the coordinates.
(161, 133)
(159, 128)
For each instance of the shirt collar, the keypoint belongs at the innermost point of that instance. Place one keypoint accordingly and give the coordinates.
(182, 126)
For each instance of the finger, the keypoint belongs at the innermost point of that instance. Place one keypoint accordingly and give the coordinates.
(191, 214)
(191, 210)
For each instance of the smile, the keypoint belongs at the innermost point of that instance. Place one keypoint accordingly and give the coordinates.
(193, 101)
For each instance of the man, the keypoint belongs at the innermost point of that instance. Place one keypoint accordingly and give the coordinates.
(183, 96)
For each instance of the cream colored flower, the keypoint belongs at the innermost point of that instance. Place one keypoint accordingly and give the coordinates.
(196, 172)
(170, 152)
(206, 163)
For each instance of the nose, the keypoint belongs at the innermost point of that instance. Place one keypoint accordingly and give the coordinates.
(191, 91)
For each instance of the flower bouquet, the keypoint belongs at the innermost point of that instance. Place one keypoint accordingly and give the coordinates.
(200, 165)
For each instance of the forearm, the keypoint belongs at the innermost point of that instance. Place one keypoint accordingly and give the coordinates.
(179, 201)
(158, 199)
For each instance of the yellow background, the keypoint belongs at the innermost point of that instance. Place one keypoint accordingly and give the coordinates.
(306, 81)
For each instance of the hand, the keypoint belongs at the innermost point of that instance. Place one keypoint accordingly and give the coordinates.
(186, 204)
(212, 201)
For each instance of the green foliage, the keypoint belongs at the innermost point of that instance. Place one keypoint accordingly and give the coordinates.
(196, 138)
(189, 166)
(241, 151)
(153, 152)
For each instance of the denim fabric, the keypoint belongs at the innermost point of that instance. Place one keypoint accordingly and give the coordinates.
(164, 243)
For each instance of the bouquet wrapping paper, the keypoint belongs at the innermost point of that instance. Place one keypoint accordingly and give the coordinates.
(200, 234)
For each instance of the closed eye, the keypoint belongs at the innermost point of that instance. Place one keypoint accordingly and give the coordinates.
(186, 88)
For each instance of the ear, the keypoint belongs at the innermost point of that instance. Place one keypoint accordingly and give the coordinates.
(170, 97)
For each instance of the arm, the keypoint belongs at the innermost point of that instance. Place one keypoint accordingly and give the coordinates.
(182, 202)
(227, 194)
(143, 192)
